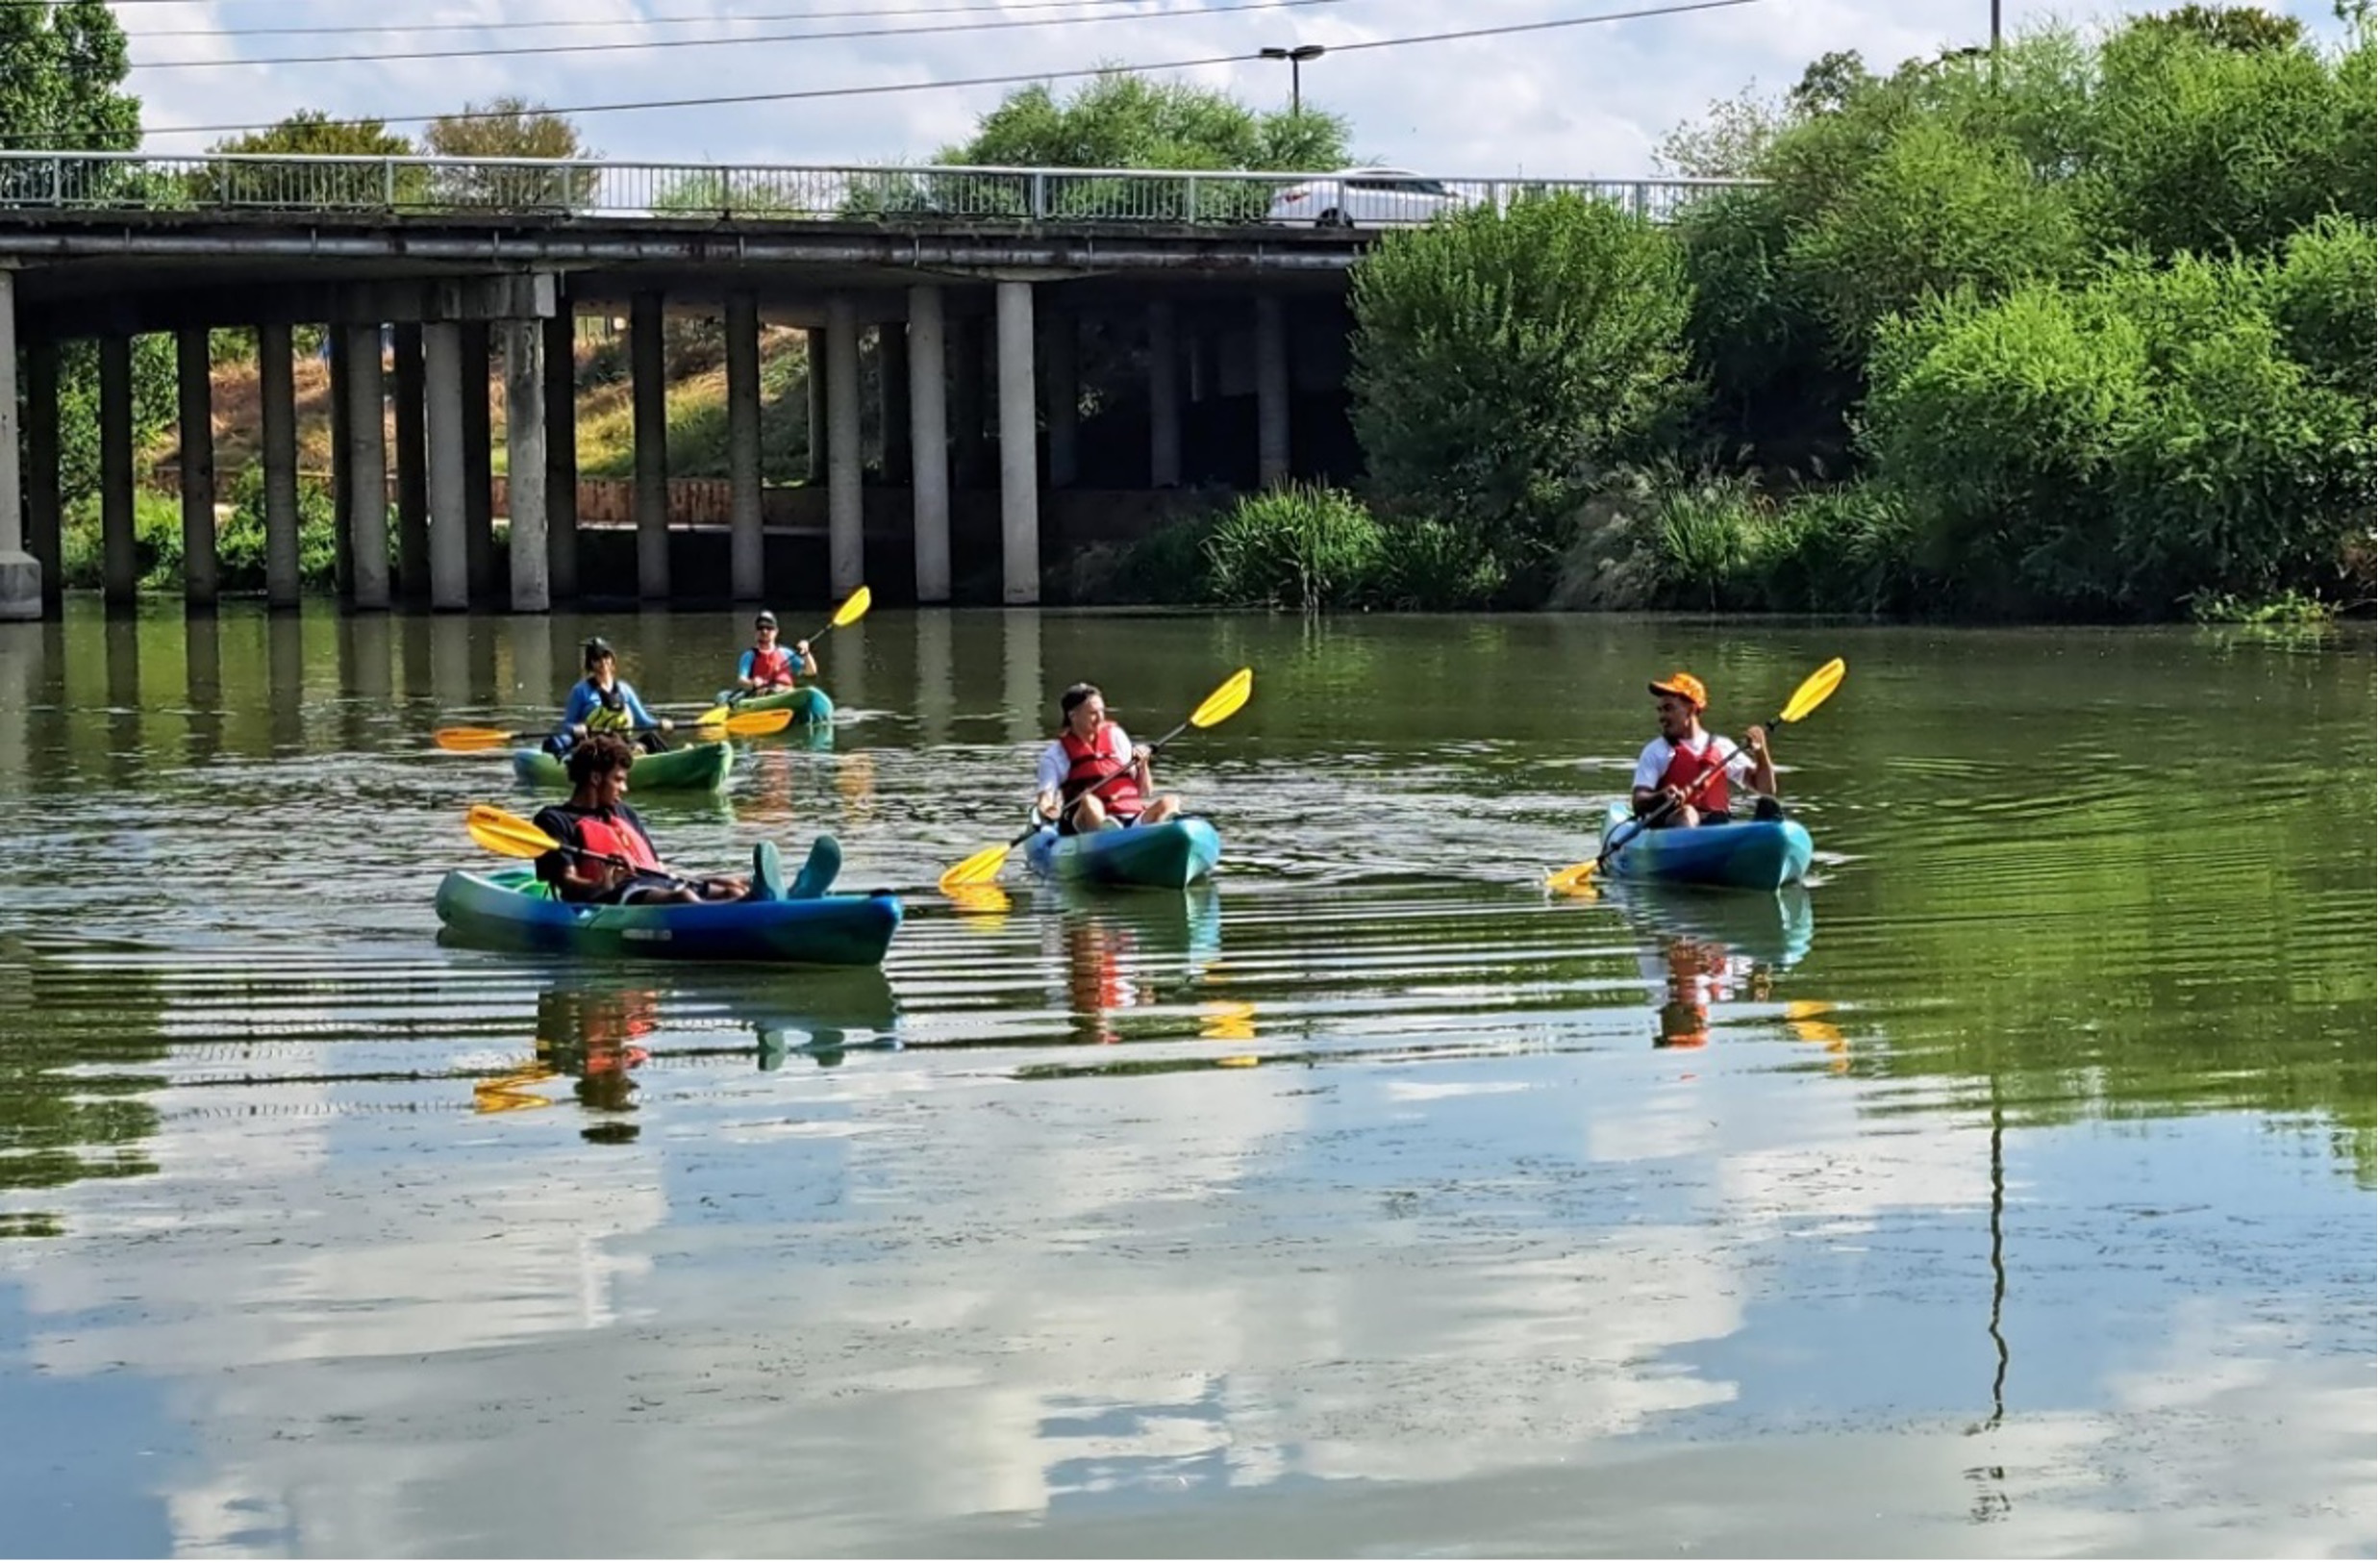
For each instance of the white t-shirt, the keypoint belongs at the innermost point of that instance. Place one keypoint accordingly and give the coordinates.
(1654, 762)
(1114, 749)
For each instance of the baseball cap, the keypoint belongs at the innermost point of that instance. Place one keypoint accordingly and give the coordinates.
(1686, 686)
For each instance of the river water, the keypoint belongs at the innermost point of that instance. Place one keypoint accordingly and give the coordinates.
(2008, 1191)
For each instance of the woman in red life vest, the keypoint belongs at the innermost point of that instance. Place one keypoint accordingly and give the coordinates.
(1092, 776)
(615, 862)
(1682, 777)
(769, 665)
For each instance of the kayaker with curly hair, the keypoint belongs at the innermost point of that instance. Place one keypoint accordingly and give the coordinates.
(612, 858)
(1092, 776)
(765, 666)
(604, 702)
(1682, 777)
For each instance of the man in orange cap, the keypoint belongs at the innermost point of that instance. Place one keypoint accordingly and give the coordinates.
(1682, 777)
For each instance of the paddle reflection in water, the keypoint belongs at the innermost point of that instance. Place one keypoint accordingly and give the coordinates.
(1142, 951)
(595, 1034)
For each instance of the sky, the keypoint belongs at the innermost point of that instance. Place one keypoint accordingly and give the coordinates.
(1589, 101)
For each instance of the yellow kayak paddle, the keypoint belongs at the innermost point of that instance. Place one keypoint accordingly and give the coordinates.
(742, 725)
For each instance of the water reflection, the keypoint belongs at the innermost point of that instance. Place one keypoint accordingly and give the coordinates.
(1132, 960)
(202, 676)
(1697, 948)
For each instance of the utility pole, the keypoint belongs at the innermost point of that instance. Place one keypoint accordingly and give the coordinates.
(1304, 52)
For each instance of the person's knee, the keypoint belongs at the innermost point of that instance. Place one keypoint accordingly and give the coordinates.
(1768, 808)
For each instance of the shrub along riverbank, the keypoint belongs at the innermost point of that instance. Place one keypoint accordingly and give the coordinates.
(2080, 331)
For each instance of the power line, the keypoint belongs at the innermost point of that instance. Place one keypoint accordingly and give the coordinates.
(712, 18)
(804, 94)
(642, 44)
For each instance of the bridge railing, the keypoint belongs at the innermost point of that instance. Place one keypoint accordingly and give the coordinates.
(266, 183)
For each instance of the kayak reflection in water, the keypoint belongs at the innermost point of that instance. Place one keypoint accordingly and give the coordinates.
(1692, 975)
(1094, 773)
(613, 861)
(1682, 777)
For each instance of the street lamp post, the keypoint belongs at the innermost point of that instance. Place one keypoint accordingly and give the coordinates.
(1296, 56)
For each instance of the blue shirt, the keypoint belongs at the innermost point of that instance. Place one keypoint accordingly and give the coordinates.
(586, 699)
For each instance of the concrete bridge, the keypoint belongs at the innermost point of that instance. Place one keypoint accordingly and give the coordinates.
(965, 280)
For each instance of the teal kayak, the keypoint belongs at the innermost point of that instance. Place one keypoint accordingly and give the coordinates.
(509, 910)
(697, 768)
(1752, 854)
(808, 703)
(1165, 857)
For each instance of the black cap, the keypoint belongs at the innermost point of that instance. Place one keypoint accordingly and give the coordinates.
(596, 648)
(766, 620)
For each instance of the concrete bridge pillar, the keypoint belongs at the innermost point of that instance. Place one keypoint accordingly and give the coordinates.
(342, 491)
(846, 544)
(194, 413)
(120, 568)
(747, 569)
(524, 441)
(44, 520)
(20, 575)
(929, 444)
(1273, 395)
(276, 384)
(966, 400)
(413, 468)
(1062, 392)
(893, 398)
(813, 389)
(367, 469)
(1165, 397)
(562, 452)
(450, 566)
(1020, 499)
(479, 505)
(652, 454)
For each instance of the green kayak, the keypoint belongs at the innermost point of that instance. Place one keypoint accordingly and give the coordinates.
(808, 703)
(697, 768)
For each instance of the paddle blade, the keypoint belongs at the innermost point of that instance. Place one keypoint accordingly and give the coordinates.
(980, 869)
(754, 723)
(715, 717)
(1229, 696)
(1571, 881)
(1814, 691)
(853, 607)
(507, 834)
(470, 740)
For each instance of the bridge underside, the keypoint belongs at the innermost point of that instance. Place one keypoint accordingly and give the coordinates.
(976, 342)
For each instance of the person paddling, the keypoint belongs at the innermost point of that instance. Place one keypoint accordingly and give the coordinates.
(1683, 776)
(766, 666)
(615, 862)
(1092, 776)
(604, 702)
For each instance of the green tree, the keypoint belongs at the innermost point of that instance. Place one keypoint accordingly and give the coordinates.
(2245, 29)
(511, 128)
(309, 132)
(62, 70)
(1503, 358)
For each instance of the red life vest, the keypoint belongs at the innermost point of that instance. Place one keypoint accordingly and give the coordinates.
(1686, 766)
(775, 665)
(615, 837)
(1121, 793)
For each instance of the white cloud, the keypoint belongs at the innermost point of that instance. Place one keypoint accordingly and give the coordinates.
(1580, 102)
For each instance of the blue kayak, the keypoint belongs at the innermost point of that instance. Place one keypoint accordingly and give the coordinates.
(1165, 857)
(511, 909)
(1752, 854)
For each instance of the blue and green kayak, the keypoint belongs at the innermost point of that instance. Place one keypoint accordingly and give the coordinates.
(697, 768)
(808, 703)
(1165, 857)
(509, 910)
(1750, 854)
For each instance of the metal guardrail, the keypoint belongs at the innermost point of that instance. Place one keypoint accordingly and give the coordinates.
(127, 181)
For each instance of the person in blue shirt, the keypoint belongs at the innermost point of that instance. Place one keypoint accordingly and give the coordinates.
(765, 666)
(604, 702)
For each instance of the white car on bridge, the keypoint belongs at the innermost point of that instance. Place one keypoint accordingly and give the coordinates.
(1365, 198)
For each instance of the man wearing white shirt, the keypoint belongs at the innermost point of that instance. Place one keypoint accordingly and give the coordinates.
(1682, 777)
